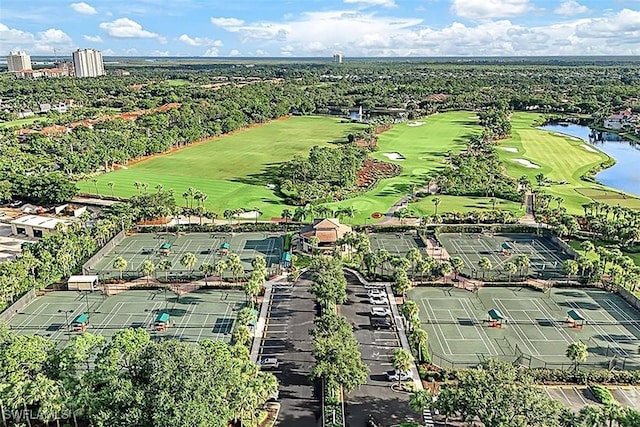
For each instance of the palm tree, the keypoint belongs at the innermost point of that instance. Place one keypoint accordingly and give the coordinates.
(436, 202)
(95, 183)
(110, 184)
(523, 262)
(137, 185)
(165, 265)
(401, 361)
(220, 267)
(206, 269)
(286, 215)
(414, 256)
(420, 400)
(458, 264)
(147, 268)
(409, 311)
(120, 264)
(587, 246)
(577, 352)
(159, 187)
(570, 267)
(313, 244)
(188, 260)
(485, 264)
(418, 338)
(511, 268)
(185, 196)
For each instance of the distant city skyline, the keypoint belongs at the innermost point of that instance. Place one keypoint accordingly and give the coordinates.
(357, 28)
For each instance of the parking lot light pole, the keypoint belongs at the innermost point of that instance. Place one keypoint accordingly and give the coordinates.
(66, 317)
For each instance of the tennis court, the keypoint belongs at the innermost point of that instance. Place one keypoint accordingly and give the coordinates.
(546, 257)
(194, 317)
(535, 331)
(395, 243)
(207, 248)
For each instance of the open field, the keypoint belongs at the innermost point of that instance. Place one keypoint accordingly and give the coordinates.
(24, 122)
(535, 333)
(611, 197)
(207, 247)
(423, 148)
(204, 314)
(545, 257)
(559, 157)
(233, 170)
(425, 206)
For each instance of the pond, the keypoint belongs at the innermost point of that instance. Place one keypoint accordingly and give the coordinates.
(625, 174)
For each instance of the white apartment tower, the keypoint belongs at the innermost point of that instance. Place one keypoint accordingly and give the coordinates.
(337, 58)
(18, 61)
(88, 63)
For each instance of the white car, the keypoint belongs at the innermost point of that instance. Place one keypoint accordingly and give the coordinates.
(376, 292)
(378, 300)
(380, 312)
(269, 363)
(399, 376)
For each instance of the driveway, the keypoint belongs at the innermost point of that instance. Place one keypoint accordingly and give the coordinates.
(376, 346)
(286, 336)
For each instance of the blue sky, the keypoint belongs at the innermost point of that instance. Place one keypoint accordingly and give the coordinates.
(320, 28)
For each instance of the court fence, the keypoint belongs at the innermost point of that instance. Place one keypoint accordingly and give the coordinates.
(611, 360)
(102, 252)
(17, 306)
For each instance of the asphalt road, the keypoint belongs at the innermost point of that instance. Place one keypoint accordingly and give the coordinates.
(286, 337)
(377, 347)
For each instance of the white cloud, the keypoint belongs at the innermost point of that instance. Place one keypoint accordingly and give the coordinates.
(53, 35)
(486, 9)
(125, 28)
(160, 53)
(83, 8)
(212, 51)
(367, 34)
(385, 3)
(226, 22)
(234, 52)
(261, 52)
(199, 41)
(571, 7)
(93, 39)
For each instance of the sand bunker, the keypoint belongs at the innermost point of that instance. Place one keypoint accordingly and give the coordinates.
(526, 163)
(414, 124)
(510, 149)
(248, 215)
(394, 156)
(589, 148)
(271, 186)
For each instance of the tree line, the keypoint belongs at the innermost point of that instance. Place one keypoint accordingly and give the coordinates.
(129, 380)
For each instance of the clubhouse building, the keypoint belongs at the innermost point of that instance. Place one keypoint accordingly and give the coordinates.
(327, 233)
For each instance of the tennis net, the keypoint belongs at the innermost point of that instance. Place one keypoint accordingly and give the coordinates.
(537, 322)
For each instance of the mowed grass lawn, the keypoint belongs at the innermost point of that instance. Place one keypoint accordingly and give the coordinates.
(425, 206)
(24, 122)
(424, 148)
(233, 170)
(560, 158)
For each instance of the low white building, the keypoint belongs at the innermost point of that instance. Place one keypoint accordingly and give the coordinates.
(35, 225)
(82, 283)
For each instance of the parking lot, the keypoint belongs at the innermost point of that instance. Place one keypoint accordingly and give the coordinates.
(577, 397)
(377, 347)
(286, 337)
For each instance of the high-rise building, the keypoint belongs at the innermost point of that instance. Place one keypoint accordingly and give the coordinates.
(18, 61)
(337, 58)
(88, 63)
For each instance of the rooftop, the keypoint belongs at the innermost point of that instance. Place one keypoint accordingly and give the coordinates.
(40, 221)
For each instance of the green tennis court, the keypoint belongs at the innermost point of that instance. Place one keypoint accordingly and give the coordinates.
(204, 314)
(396, 243)
(535, 331)
(207, 248)
(546, 257)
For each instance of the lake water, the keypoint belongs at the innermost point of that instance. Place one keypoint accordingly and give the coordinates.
(625, 174)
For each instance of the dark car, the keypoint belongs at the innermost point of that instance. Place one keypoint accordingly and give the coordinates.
(206, 251)
(381, 322)
(147, 251)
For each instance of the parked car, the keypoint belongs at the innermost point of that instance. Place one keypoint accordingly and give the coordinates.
(369, 285)
(206, 251)
(267, 363)
(378, 300)
(16, 204)
(380, 312)
(381, 322)
(399, 376)
(147, 251)
(376, 292)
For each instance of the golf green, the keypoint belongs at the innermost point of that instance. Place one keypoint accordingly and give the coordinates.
(423, 145)
(561, 159)
(234, 171)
